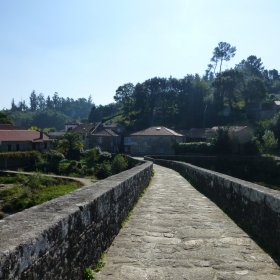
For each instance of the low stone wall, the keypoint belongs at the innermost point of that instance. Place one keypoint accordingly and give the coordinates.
(255, 208)
(58, 239)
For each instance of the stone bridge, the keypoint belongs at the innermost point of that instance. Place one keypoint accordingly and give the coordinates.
(174, 232)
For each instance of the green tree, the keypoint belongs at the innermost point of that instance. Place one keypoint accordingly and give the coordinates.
(70, 145)
(33, 101)
(254, 90)
(4, 119)
(227, 85)
(223, 52)
(125, 96)
(221, 142)
(119, 164)
(13, 106)
(251, 67)
(41, 102)
(270, 142)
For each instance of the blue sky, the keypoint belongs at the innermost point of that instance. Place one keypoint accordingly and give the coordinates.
(83, 47)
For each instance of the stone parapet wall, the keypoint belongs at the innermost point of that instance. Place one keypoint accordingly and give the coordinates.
(255, 208)
(59, 238)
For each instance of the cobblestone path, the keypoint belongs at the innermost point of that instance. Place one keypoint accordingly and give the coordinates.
(177, 233)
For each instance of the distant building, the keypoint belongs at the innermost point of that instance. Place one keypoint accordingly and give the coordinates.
(239, 136)
(262, 111)
(153, 140)
(56, 134)
(23, 140)
(85, 130)
(105, 138)
(71, 125)
(195, 135)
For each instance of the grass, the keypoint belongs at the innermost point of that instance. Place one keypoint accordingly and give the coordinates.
(89, 273)
(7, 180)
(30, 190)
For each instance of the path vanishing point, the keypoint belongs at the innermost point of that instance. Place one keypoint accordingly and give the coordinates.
(177, 233)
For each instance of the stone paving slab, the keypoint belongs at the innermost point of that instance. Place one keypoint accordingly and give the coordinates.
(177, 233)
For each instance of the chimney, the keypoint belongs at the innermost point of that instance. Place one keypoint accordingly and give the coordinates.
(41, 134)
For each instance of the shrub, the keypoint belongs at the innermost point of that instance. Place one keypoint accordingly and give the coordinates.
(270, 143)
(119, 164)
(194, 147)
(221, 142)
(105, 156)
(103, 170)
(92, 156)
(28, 160)
(52, 159)
(63, 166)
(251, 148)
(89, 274)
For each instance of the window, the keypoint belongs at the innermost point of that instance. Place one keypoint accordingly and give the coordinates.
(99, 140)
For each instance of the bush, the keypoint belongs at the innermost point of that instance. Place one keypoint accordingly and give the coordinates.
(103, 170)
(194, 147)
(105, 156)
(27, 160)
(270, 143)
(63, 166)
(89, 274)
(119, 164)
(221, 142)
(52, 159)
(91, 157)
(36, 181)
(250, 148)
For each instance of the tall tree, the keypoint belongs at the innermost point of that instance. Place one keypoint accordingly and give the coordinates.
(251, 67)
(254, 90)
(4, 119)
(56, 100)
(13, 106)
(227, 84)
(41, 102)
(49, 103)
(33, 101)
(223, 52)
(70, 145)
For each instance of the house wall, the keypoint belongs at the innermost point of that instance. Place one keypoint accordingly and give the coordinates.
(24, 146)
(143, 145)
(106, 143)
(15, 146)
(69, 127)
(243, 136)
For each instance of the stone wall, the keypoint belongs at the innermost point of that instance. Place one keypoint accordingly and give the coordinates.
(58, 239)
(255, 208)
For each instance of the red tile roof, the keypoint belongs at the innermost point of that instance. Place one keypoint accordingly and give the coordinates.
(4, 126)
(22, 136)
(156, 131)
